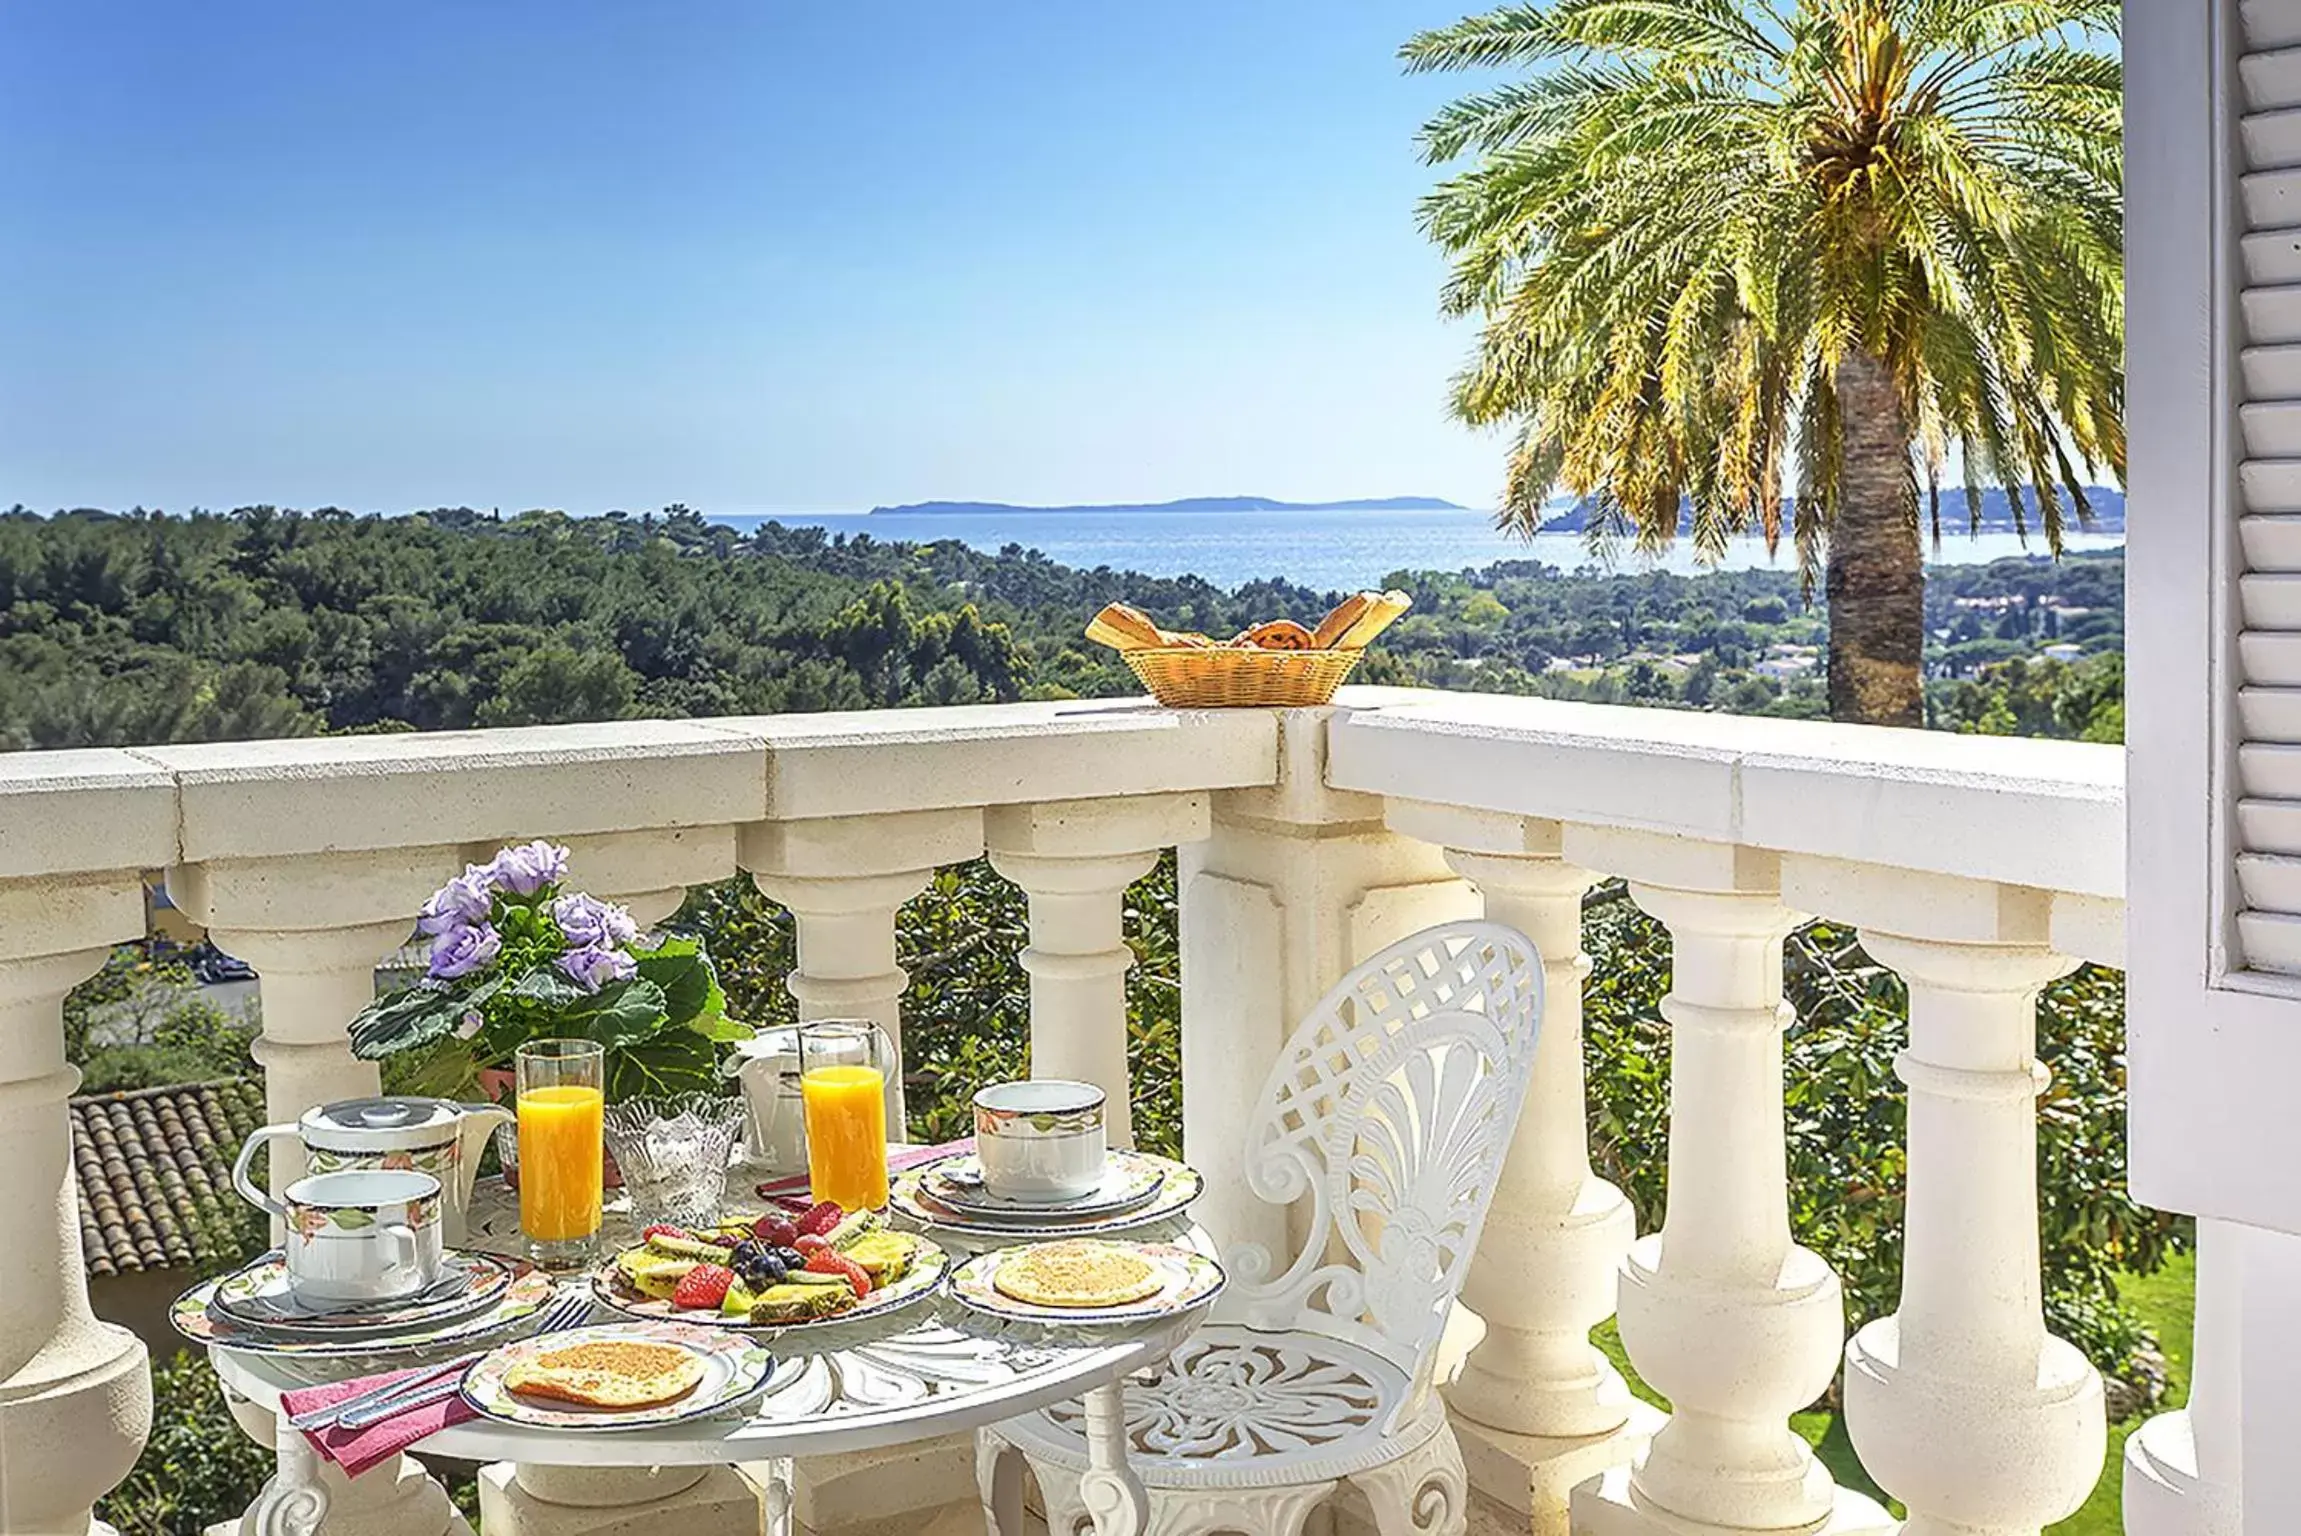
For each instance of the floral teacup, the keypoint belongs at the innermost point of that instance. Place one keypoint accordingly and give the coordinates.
(361, 1235)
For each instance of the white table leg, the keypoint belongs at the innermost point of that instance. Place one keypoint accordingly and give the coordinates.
(1109, 1488)
(293, 1502)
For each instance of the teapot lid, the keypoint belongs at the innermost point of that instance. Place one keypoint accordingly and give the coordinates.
(392, 1123)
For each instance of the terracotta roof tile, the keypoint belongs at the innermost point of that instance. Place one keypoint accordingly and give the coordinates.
(154, 1169)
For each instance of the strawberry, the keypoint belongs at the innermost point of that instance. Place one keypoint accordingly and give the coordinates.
(808, 1242)
(830, 1261)
(666, 1229)
(704, 1286)
(775, 1231)
(825, 1215)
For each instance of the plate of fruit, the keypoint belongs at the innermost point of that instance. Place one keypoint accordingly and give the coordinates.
(828, 1265)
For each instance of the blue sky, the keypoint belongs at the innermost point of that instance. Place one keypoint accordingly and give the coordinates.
(753, 256)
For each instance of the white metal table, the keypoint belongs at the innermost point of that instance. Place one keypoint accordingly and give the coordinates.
(925, 1371)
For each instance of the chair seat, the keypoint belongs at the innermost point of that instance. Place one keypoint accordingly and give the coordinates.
(1238, 1408)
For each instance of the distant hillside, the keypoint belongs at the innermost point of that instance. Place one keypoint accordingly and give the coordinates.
(1187, 504)
(1996, 513)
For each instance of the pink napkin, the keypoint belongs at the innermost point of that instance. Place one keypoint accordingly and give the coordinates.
(357, 1450)
(791, 1192)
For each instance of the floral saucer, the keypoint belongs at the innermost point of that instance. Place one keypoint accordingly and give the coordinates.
(912, 1196)
(263, 1296)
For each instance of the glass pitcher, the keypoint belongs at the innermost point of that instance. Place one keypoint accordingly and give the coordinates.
(845, 1066)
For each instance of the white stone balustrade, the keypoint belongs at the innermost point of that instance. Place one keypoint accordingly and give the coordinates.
(1308, 839)
(1538, 1408)
(1959, 1403)
(1074, 860)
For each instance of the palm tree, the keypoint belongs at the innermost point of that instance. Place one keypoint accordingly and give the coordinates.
(1732, 253)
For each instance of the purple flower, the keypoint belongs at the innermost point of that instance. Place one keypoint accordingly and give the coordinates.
(590, 923)
(466, 899)
(592, 969)
(460, 951)
(528, 869)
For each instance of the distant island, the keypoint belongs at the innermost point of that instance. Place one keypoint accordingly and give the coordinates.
(1187, 504)
(2107, 506)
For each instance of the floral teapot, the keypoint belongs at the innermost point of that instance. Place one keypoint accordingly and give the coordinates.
(434, 1136)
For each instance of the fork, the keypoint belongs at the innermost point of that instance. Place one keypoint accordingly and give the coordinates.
(380, 1403)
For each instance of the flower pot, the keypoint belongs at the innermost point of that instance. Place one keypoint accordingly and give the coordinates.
(499, 1085)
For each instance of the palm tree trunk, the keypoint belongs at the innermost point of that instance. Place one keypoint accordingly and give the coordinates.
(1876, 573)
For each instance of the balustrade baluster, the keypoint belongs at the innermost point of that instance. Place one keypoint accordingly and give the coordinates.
(1074, 860)
(844, 878)
(1537, 1408)
(1960, 1404)
(314, 927)
(75, 1393)
(1727, 1317)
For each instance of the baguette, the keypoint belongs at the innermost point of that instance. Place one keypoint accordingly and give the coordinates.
(1125, 629)
(1338, 620)
(1377, 618)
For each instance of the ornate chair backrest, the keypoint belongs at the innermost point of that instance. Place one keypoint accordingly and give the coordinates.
(1391, 1109)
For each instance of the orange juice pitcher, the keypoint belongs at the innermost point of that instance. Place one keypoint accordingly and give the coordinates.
(845, 1066)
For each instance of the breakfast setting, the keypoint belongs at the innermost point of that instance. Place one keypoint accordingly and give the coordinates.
(751, 1257)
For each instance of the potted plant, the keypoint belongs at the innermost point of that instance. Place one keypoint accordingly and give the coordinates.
(515, 957)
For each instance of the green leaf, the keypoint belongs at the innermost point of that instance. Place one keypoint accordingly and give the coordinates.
(404, 1020)
(550, 986)
(351, 1219)
(690, 984)
(619, 1015)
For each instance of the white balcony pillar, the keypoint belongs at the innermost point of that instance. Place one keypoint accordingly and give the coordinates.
(844, 877)
(2183, 1469)
(1075, 859)
(1727, 1317)
(1537, 1407)
(75, 1393)
(314, 927)
(1960, 1404)
(1295, 884)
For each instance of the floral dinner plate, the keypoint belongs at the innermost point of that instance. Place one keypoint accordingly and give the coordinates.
(735, 1366)
(196, 1319)
(1188, 1279)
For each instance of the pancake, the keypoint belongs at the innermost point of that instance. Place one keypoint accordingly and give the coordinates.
(608, 1373)
(1081, 1273)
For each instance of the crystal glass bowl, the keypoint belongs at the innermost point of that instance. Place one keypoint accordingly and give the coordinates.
(673, 1152)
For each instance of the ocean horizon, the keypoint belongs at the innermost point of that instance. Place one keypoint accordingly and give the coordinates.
(1325, 549)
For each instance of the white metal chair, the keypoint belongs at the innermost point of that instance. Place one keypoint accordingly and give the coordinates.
(1390, 1109)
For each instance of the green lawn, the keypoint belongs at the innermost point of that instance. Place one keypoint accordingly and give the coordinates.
(2166, 1299)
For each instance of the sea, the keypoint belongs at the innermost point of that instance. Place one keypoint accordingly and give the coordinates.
(1327, 550)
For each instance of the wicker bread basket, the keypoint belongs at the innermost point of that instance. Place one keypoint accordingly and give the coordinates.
(1220, 677)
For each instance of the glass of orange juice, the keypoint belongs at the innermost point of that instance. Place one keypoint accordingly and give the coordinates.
(562, 1087)
(844, 1068)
